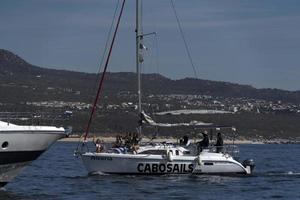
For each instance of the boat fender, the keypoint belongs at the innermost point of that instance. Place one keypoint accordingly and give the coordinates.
(199, 160)
(170, 156)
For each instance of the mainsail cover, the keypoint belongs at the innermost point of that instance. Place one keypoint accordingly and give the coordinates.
(146, 119)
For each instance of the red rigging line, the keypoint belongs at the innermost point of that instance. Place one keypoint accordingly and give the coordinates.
(103, 74)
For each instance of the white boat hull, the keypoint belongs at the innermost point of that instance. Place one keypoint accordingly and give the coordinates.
(210, 163)
(20, 145)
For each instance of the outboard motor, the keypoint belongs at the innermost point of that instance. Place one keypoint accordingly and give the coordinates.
(249, 164)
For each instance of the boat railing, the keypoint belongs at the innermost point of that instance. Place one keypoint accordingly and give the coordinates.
(231, 149)
(39, 118)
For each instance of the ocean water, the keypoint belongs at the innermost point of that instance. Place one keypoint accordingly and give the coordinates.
(57, 174)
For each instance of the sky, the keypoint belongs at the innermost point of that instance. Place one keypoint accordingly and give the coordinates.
(253, 42)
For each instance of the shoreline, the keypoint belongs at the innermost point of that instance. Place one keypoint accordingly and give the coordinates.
(111, 139)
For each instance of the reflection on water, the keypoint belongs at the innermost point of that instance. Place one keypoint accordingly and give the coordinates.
(288, 173)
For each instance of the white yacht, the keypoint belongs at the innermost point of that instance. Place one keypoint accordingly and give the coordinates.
(156, 158)
(20, 145)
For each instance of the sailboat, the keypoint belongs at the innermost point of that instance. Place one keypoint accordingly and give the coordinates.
(157, 158)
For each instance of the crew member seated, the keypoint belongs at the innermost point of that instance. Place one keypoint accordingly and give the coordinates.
(219, 144)
(99, 146)
(204, 143)
(128, 140)
(119, 142)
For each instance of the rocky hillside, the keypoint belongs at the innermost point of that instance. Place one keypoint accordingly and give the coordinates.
(20, 80)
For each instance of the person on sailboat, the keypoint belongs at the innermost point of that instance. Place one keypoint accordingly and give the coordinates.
(119, 141)
(204, 143)
(128, 140)
(99, 146)
(185, 141)
(135, 139)
(133, 142)
(219, 144)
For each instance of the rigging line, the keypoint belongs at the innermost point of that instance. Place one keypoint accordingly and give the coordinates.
(106, 43)
(103, 73)
(142, 17)
(157, 55)
(184, 39)
(106, 47)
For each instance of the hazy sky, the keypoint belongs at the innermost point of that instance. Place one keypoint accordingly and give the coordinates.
(255, 42)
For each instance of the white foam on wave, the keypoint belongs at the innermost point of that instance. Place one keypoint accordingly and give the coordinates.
(98, 173)
(292, 173)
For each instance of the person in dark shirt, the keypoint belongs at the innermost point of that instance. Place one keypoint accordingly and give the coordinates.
(185, 141)
(204, 143)
(219, 143)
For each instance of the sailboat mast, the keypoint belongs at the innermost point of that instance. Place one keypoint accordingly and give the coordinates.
(139, 59)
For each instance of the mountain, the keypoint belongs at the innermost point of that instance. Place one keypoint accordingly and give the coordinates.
(22, 83)
(21, 80)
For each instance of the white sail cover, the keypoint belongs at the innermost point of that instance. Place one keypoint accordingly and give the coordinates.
(148, 120)
(199, 112)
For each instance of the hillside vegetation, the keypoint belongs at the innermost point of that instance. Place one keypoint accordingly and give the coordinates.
(23, 86)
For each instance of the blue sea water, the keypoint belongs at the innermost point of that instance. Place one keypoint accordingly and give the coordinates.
(57, 174)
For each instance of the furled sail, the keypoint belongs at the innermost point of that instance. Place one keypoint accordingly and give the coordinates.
(146, 119)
